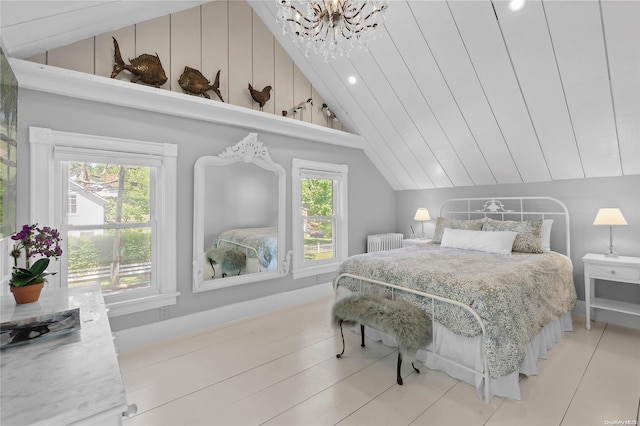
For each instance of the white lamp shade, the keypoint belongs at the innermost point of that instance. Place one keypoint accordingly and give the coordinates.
(422, 214)
(609, 217)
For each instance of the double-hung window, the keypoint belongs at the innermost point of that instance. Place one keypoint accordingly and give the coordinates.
(320, 217)
(120, 229)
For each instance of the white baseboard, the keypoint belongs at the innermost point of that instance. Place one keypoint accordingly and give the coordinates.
(136, 337)
(618, 318)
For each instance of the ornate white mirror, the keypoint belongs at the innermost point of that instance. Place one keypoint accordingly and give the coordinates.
(239, 217)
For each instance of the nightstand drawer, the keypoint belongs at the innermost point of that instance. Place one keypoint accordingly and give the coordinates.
(615, 272)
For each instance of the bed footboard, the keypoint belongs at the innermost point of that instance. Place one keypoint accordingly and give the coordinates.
(483, 373)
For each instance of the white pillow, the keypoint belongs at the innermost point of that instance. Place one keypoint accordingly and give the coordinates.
(499, 242)
(546, 234)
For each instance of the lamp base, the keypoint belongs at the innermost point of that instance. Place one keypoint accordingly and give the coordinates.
(611, 252)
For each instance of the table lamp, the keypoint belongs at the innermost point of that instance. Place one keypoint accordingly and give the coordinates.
(422, 215)
(611, 217)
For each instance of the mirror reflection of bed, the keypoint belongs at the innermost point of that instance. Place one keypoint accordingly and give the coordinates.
(240, 220)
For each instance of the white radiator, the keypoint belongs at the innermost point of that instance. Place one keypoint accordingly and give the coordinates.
(381, 242)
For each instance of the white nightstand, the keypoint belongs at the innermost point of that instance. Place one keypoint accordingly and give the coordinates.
(622, 269)
(415, 242)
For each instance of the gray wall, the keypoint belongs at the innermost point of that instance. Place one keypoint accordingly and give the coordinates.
(373, 205)
(582, 197)
(371, 199)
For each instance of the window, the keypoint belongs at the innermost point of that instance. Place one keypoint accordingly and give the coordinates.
(109, 201)
(73, 204)
(110, 240)
(320, 217)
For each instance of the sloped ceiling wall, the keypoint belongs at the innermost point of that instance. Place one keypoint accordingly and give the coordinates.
(457, 93)
(451, 93)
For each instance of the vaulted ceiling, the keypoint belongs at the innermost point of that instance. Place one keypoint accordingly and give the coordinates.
(451, 93)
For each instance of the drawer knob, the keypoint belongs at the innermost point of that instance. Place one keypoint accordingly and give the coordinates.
(613, 272)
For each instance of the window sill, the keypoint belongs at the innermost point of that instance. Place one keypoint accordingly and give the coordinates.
(144, 303)
(315, 270)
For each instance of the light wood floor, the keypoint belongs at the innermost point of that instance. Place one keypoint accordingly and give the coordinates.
(280, 368)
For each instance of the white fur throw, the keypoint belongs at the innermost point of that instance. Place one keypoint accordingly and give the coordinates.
(406, 322)
(230, 260)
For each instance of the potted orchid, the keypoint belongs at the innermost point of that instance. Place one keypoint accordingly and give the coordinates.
(34, 241)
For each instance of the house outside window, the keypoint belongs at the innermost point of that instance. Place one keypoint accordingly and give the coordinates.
(124, 193)
(320, 217)
(85, 207)
(73, 204)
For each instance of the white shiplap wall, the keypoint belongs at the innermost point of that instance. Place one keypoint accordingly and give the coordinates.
(221, 35)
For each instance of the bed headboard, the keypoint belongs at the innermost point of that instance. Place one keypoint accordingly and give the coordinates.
(515, 208)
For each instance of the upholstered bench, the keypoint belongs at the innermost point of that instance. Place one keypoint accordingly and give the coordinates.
(407, 323)
(229, 260)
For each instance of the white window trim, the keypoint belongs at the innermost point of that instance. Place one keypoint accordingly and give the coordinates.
(299, 268)
(44, 190)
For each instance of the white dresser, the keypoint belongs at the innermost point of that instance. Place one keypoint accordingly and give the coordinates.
(67, 379)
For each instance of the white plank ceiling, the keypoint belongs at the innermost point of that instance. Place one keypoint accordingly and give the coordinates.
(451, 93)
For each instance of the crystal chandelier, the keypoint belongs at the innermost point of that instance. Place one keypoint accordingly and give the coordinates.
(331, 27)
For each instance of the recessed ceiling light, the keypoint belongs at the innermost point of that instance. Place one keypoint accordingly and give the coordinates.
(516, 5)
(352, 79)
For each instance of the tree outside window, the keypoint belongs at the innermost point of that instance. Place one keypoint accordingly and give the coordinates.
(109, 236)
(319, 221)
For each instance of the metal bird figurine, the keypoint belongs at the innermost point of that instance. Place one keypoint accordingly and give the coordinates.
(330, 114)
(193, 82)
(261, 97)
(145, 68)
(302, 105)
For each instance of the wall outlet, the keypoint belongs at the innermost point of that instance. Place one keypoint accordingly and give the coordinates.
(165, 312)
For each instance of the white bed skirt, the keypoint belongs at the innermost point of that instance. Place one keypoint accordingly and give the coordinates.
(468, 351)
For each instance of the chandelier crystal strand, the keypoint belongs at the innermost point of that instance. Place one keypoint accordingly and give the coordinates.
(331, 27)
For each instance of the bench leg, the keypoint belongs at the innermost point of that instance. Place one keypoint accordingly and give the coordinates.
(342, 335)
(211, 262)
(414, 367)
(399, 379)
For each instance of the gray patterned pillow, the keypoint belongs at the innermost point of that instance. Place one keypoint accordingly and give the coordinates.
(529, 239)
(442, 223)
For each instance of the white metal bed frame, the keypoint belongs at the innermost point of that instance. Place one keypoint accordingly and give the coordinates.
(492, 206)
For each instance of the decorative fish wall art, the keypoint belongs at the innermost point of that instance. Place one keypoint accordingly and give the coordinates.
(145, 68)
(194, 83)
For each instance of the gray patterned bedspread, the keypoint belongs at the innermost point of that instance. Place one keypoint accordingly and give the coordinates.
(515, 295)
(264, 240)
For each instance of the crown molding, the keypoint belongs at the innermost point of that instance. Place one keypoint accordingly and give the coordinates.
(48, 79)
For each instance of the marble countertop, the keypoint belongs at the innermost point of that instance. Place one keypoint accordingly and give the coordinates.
(63, 379)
